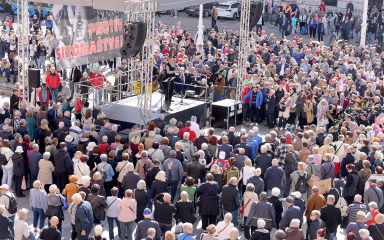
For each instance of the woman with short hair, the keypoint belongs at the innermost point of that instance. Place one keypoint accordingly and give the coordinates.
(113, 212)
(224, 227)
(55, 204)
(97, 178)
(211, 229)
(249, 197)
(38, 203)
(185, 209)
(46, 169)
(141, 196)
(127, 215)
(105, 167)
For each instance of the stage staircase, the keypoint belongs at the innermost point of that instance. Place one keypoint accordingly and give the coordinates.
(6, 88)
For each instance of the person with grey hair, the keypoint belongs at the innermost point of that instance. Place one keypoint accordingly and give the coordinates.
(264, 160)
(141, 197)
(106, 169)
(6, 223)
(194, 125)
(261, 209)
(22, 128)
(200, 140)
(143, 165)
(243, 144)
(130, 179)
(373, 211)
(260, 233)
(327, 168)
(34, 158)
(225, 147)
(316, 224)
(177, 172)
(331, 215)
(83, 218)
(187, 146)
(294, 231)
(348, 159)
(359, 224)
(21, 226)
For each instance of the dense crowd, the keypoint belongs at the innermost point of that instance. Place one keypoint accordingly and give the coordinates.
(322, 166)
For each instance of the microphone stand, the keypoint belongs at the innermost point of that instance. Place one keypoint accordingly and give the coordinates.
(182, 93)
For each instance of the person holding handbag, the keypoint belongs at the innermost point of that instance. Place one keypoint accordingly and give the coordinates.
(248, 198)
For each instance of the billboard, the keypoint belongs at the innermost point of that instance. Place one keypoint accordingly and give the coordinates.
(85, 35)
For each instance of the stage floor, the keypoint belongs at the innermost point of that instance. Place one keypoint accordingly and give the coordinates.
(126, 113)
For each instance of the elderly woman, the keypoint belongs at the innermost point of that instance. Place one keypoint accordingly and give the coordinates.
(215, 170)
(127, 215)
(122, 169)
(108, 184)
(283, 108)
(71, 188)
(165, 148)
(234, 234)
(185, 209)
(46, 169)
(98, 204)
(141, 196)
(224, 227)
(211, 229)
(249, 197)
(160, 184)
(113, 212)
(297, 176)
(86, 182)
(6, 224)
(97, 178)
(81, 168)
(38, 203)
(294, 232)
(149, 140)
(156, 153)
(189, 187)
(72, 208)
(277, 204)
(143, 165)
(55, 204)
(31, 124)
(188, 148)
(261, 233)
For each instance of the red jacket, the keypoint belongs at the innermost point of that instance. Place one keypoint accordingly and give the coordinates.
(192, 134)
(52, 81)
(245, 92)
(41, 96)
(345, 103)
(97, 80)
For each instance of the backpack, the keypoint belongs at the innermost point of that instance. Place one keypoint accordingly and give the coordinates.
(301, 184)
(341, 204)
(3, 159)
(12, 206)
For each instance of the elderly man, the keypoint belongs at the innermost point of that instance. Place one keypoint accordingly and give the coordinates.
(373, 194)
(291, 160)
(5, 133)
(65, 91)
(261, 209)
(356, 226)
(21, 227)
(147, 223)
(112, 134)
(51, 232)
(130, 179)
(104, 131)
(316, 224)
(231, 199)
(264, 160)
(5, 198)
(53, 81)
(273, 176)
(355, 207)
(177, 172)
(34, 158)
(165, 210)
(292, 212)
(83, 217)
(376, 230)
(315, 202)
(328, 168)
(331, 216)
(76, 132)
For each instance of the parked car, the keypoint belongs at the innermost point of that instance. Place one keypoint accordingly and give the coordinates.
(195, 10)
(228, 10)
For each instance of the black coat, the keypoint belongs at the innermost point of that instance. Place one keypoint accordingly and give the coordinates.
(75, 75)
(130, 181)
(185, 212)
(98, 204)
(263, 161)
(376, 231)
(62, 162)
(331, 216)
(271, 103)
(18, 165)
(261, 234)
(278, 205)
(196, 170)
(141, 197)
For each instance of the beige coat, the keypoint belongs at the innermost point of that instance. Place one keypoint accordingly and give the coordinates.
(122, 169)
(45, 171)
(248, 195)
(142, 166)
(308, 108)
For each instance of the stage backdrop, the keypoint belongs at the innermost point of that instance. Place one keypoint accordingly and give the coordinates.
(85, 35)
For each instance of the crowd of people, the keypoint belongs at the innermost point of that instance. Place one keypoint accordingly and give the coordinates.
(322, 104)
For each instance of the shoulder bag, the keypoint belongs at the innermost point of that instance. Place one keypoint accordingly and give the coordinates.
(243, 207)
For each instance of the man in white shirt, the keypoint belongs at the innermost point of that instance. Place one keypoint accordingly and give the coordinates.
(21, 227)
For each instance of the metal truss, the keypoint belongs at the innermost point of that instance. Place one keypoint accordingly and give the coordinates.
(243, 47)
(22, 50)
(143, 11)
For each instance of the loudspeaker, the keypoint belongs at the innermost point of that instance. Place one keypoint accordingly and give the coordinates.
(134, 39)
(34, 77)
(255, 12)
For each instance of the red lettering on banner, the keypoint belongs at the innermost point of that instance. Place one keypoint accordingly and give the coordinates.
(111, 26)
(105, 27)
(121, 40)
(120, 22)
(92, 48)
(111, 41)
(68, 51)
(75, 50)
(115, 22)
(105, 41)
(63, 52)
(98, 28)
(84, 48)
(91, 29)
(58, 55)
(99, 45)
(117, 44)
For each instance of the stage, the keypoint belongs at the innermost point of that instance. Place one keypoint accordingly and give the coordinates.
(126, 113)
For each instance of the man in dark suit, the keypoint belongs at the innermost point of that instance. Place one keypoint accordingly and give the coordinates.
(270, 107)
(74, 77)
(225, 147)
(243, 144)
(15, 98)
(281, 67)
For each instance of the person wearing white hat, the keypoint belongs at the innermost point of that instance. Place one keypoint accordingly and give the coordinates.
(4, 200)
(298, 201)
(70, 147)
(18, 170)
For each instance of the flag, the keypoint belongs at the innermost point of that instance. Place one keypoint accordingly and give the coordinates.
(377, 128)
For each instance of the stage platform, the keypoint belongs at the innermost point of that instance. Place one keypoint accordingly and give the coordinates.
(126, 113)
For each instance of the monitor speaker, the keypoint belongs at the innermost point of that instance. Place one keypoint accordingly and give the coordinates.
(34, 77)
(255, 12)
(134, 39)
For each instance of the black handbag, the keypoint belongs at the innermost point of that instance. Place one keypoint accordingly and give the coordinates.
(344, 223)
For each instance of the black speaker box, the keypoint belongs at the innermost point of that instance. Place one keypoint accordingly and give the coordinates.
(34, 77)
(134, 39)
(255, 12)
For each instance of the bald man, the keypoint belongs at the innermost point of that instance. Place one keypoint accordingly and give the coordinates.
(51, 232)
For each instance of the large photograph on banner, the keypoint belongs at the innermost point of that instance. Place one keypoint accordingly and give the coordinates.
(85, 35)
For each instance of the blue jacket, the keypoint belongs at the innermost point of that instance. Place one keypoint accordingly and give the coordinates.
(49, 24)
(84, 218)
(259, 98)
(292, 212)
(185, 236)
(34, 158)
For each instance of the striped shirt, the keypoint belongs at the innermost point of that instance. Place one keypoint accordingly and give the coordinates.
(353, 209)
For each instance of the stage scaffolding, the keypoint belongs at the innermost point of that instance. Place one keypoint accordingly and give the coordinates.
(141, 67)
(22, 50)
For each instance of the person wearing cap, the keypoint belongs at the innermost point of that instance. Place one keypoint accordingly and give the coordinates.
(373, 194)
(147, 223)
(70, 147)
(18, 170)
(292, 212)
(298, 202)
(261, 209)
